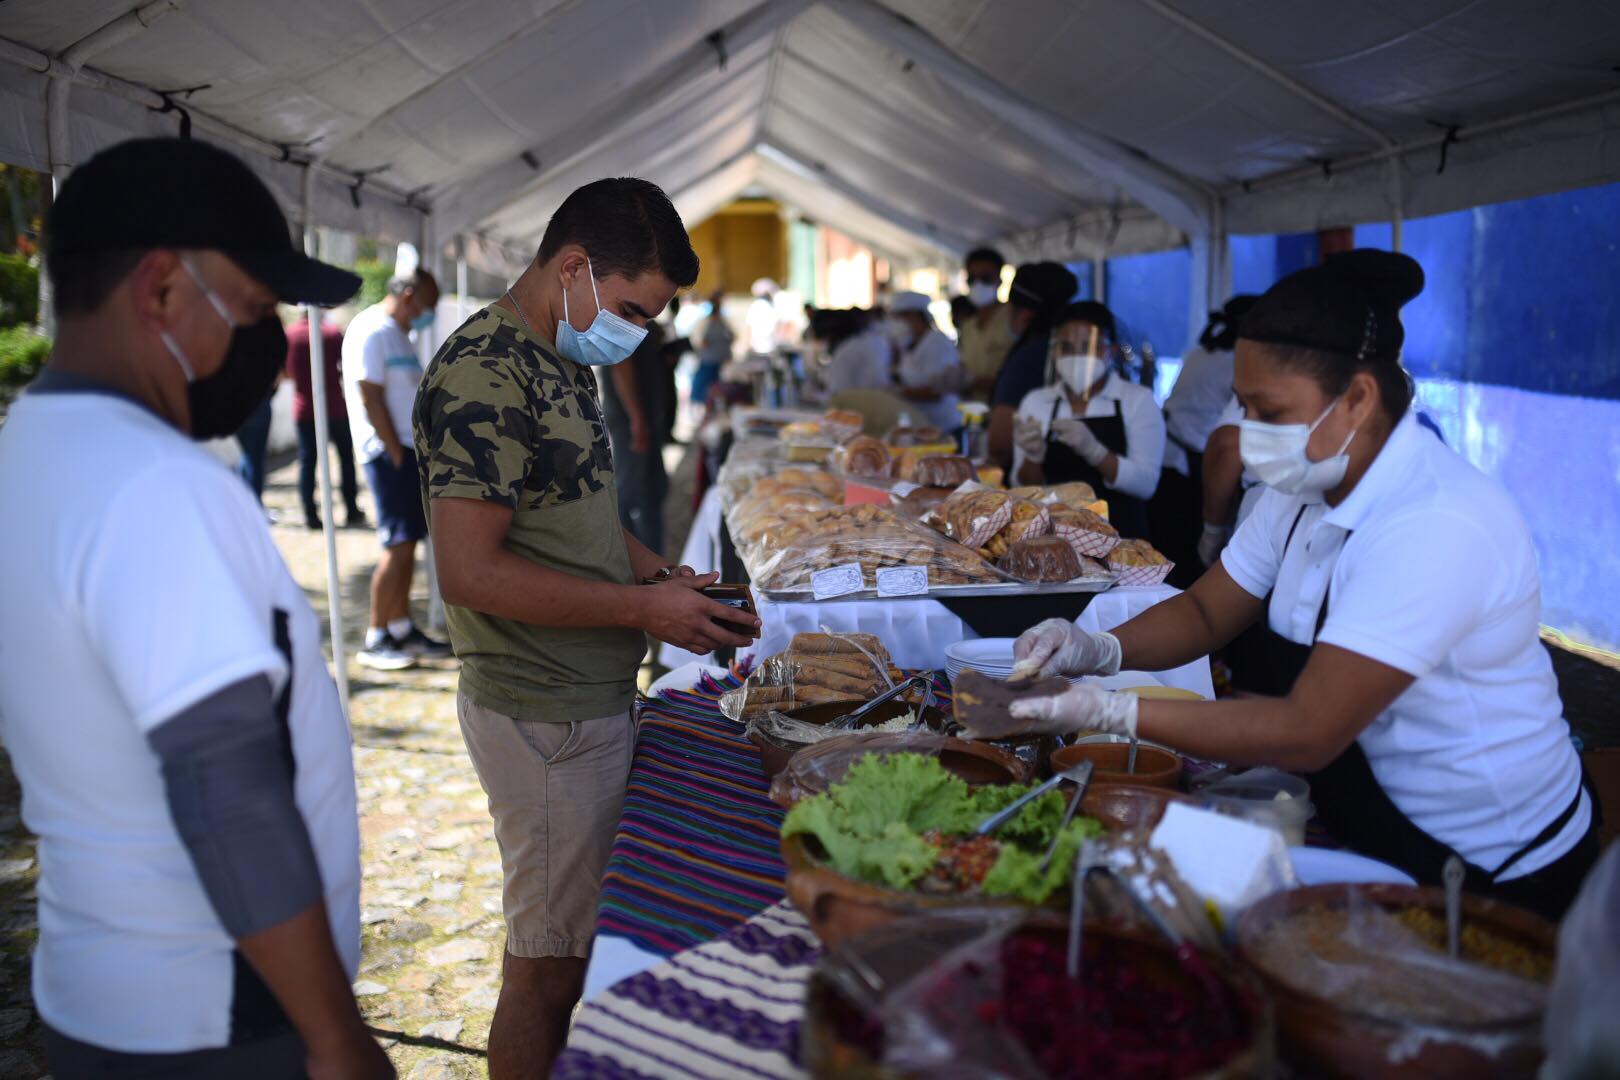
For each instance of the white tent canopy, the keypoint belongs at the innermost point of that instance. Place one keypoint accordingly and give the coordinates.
(1056, 128)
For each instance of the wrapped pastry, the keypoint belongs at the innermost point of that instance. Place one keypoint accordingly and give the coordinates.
(906, 459)
(1086, 532)
(1028, 520)
(944, 471)
(918, 503)
(913, 436)
(1041, 559)
(1137, 562)
(862, 456)
(841, 425)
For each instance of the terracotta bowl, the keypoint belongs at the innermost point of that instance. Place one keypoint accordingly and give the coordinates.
(899, 951)
(1154, 767)
(774, 753)
(1129, 807)
(1321, 1038)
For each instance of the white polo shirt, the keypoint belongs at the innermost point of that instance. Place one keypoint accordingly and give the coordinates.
(1432, 573)
(932, 363)
(137, 578)
(377, 351)
(1144, 428)
(1196, 403)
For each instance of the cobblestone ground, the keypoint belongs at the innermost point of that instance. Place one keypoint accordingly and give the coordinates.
(432, 934)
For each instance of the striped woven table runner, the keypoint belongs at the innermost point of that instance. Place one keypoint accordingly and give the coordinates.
(697, 848)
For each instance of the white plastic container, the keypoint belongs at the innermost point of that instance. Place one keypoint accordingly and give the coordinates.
(1264, 796)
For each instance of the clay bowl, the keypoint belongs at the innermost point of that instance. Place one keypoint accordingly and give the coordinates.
(838, 1043)
(1154, 767)
(1129, 807)
(774, 752)
(1321, 1038)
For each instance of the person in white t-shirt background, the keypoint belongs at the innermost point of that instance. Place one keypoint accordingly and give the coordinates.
(183, 755)
(381, 371)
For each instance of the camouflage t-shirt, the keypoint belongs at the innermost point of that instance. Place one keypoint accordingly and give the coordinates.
(503, 418)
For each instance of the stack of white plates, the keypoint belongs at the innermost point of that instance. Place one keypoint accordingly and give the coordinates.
(988, 656)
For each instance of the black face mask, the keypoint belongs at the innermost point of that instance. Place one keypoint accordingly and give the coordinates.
(222, 402)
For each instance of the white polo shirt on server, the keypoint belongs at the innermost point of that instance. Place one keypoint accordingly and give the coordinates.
(1433, 573)
(137, 578)
(377, 351)
(1139, 466)
(1196, 403)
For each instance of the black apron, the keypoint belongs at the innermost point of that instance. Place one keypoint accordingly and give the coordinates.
(1359, 813)
(1126, 513)
(1176, 516)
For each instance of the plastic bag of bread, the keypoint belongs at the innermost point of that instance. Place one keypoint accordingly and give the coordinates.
(1028, 520)
(862, 456)
(913, 436)
(796, 477)
(904, 464)
(944, 470)
(1041, 559)
(872, 537)
(991, 521)
(1138, 562)
(1087, 532)
(760, 513)
(841, 425)
(813, 669)
(918, 504)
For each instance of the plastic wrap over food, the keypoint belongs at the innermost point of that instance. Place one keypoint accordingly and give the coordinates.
(984, 994)
(760, 513)
(1087, 532)
(1391, 965)
(991, 521)
(814, 769)
(863, 456)
(868, 537)
(813, 670)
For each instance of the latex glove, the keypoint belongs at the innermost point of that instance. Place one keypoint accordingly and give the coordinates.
(1212, 542)
(1077, 436)
(1029, 438)
(1058, 647)
(1082, 707)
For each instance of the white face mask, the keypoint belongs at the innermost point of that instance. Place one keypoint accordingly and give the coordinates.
(982, 293)
(1077, 370)
(1276, 454)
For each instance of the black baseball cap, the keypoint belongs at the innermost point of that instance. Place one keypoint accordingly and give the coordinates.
(182, 193)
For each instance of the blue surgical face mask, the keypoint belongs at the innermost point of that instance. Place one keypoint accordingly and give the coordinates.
(424, 320)
(609, 340)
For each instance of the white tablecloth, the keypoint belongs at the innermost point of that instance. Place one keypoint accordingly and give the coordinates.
(916, 631)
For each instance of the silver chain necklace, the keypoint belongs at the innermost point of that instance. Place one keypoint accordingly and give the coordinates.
(519, 309)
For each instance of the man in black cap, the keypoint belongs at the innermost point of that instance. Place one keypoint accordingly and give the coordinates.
(1039, 292)
(183, 755)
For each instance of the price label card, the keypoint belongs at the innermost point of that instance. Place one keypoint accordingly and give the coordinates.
(902, 488)
(902, 581)
(837, 581)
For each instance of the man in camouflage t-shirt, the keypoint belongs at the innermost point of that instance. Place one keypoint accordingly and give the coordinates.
(541, 582)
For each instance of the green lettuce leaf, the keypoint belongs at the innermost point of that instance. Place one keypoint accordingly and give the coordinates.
(1016, 873)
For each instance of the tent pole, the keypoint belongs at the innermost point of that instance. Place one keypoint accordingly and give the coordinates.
(1099, 279)
(323, 459)
(461, 278)
(429, 261)
(1397, 199)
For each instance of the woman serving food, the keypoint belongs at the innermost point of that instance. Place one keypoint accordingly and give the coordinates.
(1400, 591)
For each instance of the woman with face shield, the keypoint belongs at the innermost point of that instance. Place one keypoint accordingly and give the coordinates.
(1397, 588)
(1090, 424)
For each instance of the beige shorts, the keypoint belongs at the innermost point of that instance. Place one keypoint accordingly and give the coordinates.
(555, 792)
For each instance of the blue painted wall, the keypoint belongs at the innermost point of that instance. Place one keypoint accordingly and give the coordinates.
(1083, 272)
(1515, 346)
(1149, 295)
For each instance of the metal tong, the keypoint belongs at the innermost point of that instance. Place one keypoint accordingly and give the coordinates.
(1079, 774)
(852, 719)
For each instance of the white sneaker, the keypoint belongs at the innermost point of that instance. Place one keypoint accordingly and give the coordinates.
(386, 655)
